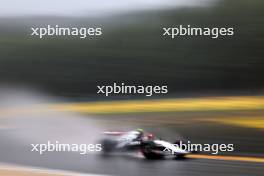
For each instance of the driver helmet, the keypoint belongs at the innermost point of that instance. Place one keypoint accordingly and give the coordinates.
(141, 131)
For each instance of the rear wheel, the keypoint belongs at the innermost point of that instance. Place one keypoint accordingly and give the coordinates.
(108, 146)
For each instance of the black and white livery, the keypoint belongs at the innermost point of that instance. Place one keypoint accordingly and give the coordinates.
(137, 140)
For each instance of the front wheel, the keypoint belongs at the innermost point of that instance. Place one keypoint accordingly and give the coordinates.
(178, 143)
(180, 156)
(148, 152)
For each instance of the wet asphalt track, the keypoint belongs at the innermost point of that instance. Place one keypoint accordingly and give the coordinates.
(129, 165)
(15, 148)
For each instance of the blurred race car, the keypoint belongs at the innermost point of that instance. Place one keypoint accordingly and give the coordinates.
(150, 147)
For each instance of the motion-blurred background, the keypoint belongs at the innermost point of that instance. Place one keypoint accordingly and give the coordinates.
(48, 86)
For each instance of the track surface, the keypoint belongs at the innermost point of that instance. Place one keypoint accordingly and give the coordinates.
(18, 133)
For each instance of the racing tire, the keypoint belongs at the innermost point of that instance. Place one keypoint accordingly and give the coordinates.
(148, 153)
(179, 156)
(185, 142)
(108, 146)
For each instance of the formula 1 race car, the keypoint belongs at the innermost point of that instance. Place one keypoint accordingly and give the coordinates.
(137, 140)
